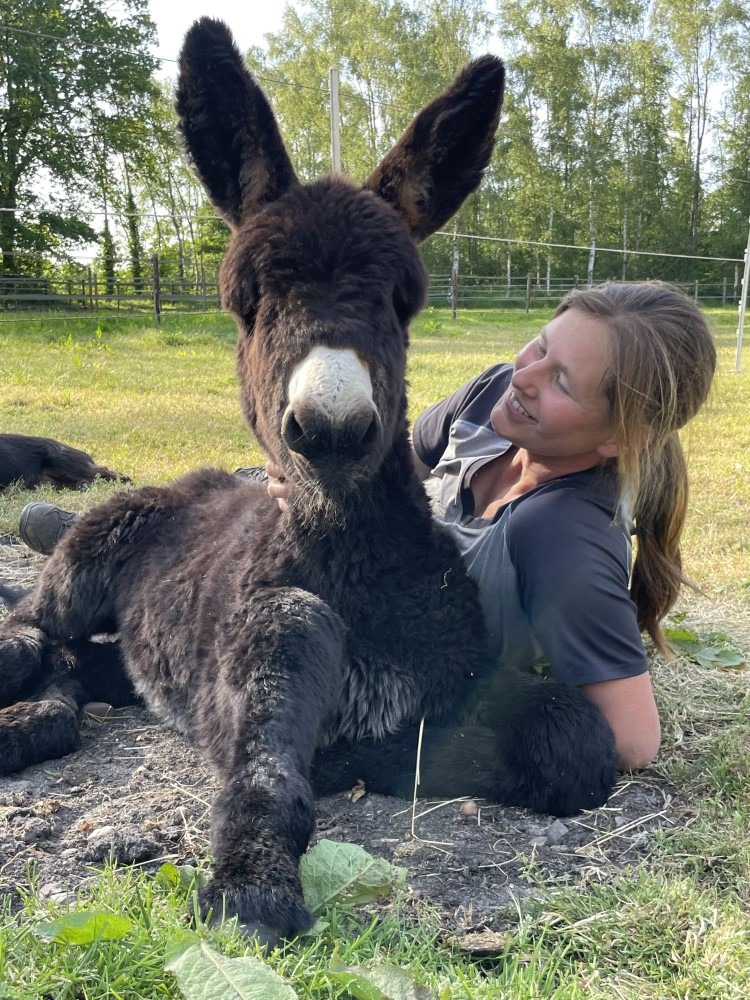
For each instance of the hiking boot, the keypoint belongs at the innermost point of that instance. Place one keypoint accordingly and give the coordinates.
(42, 525)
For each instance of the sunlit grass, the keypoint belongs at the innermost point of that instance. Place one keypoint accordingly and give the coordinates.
(155, 402)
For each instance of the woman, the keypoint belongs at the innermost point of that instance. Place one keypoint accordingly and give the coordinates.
(539, 471)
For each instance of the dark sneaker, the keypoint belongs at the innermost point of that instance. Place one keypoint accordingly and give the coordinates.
(257, 473)
(42, 525)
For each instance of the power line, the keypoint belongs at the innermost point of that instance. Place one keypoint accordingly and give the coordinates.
(173, 254)
(72, 38)
(171, 217)
(573, 246)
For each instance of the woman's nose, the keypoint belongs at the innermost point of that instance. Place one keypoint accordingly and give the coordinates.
(525, 379)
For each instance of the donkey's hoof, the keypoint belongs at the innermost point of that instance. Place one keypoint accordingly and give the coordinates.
(267, 937)
(268, 920)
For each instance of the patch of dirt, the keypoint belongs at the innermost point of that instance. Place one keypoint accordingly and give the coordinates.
(140, 793)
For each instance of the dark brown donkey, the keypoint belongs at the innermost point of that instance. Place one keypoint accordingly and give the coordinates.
(338, 623)
(37, 460)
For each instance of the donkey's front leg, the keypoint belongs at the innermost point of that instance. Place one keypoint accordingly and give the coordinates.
(279, 680)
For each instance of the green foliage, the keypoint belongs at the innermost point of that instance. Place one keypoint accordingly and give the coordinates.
(708, 648)
(202, 972)
(345, 874)
(86, 928)
(381, 982)
(333, 875)
(72, 80)
(624, 135)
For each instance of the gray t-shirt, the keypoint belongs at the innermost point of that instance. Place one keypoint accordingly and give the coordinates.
(552, 566)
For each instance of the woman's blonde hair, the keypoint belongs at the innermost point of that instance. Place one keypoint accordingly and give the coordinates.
(662, 360)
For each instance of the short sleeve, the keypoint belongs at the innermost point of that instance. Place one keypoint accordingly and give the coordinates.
(572, 565)
(473, 400)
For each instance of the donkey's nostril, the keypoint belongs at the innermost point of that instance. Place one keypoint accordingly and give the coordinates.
(292, 433)
(364, 432)
(310, 432)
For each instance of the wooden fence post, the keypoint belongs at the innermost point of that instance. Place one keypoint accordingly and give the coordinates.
(454, 274)
(528, 291)
(157, 289)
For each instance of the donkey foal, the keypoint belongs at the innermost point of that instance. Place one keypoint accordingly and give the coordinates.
(339, 623)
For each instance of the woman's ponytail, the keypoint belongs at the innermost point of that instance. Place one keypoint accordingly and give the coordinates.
(661, 510)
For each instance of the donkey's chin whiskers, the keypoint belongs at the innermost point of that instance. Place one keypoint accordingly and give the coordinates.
(314, 508)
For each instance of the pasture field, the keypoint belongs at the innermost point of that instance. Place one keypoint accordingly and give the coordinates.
(156, 402)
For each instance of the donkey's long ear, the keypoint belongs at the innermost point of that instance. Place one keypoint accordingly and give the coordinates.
(441, 157)
(228, 126)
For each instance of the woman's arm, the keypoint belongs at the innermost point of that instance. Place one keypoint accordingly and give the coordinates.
(420, 467)
(628, 706)
(572, 565)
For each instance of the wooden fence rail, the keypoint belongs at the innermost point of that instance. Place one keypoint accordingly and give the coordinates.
(160, 294)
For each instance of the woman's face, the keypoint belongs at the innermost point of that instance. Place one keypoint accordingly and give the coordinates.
(555, 406)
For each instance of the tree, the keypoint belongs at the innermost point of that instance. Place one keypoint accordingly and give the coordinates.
(696, 31)
(727, 207)
(73, 79)
(392, 55)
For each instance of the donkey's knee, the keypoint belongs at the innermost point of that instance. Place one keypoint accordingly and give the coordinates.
(554, 750)
(279, 681)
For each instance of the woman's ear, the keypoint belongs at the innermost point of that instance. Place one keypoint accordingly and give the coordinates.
(609, 449)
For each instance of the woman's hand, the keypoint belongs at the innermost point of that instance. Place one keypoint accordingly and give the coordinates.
(278, 488)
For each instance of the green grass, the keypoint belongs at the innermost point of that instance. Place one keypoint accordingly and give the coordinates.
(156, 402)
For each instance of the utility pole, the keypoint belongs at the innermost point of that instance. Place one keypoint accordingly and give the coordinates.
(743, 303)
(333, 87)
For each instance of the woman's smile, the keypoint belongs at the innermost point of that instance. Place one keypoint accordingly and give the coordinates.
(517, 406)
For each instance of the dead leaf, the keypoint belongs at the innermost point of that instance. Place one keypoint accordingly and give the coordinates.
(356, 793)
(484, 942)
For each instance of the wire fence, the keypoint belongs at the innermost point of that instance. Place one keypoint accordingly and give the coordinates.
(528, 292)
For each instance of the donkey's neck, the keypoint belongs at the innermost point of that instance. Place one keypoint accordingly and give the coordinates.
(381, 539)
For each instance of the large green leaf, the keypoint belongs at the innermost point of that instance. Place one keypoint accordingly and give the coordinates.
(381, 982)
(345, 874)
(204, 974)
(85, 928)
